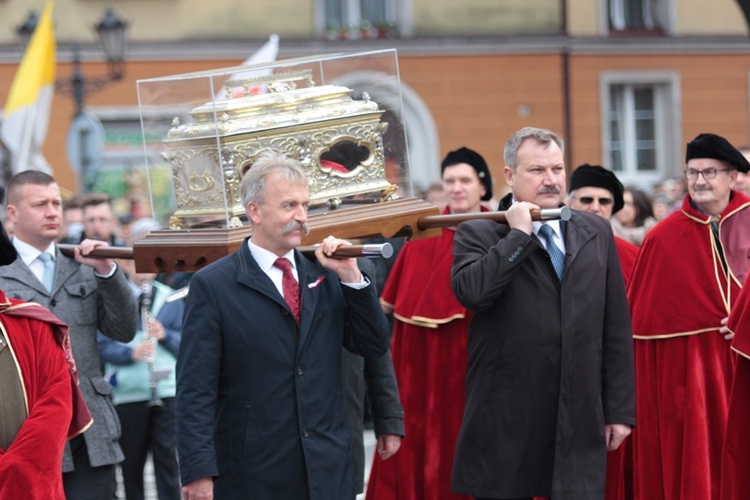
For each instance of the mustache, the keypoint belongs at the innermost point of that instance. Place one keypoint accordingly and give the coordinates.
(293, 225)
(549, 190)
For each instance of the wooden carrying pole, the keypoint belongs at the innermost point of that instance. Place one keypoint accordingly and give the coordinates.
(433, 221)
(380, 250)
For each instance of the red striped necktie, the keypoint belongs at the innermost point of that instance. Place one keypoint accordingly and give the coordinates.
(289, 286)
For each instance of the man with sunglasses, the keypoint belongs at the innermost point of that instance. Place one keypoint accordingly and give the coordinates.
(686, 279)
(597, 190)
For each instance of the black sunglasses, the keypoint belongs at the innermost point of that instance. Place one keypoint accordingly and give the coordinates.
(588, 200)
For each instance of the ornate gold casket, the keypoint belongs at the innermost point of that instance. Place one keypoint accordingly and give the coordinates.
(337, 139)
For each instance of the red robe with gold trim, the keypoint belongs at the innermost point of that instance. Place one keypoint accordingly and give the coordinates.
(735, 467)
(429, 348)
(31, 468)
(678, 293)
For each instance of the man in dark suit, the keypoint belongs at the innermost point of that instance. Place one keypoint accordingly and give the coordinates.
(87, 294)
(550, 383)
(260, 409)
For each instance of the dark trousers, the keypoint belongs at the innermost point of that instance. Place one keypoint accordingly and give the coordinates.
(151, 429)
(86, 482)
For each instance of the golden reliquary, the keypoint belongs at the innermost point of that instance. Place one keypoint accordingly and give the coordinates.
(337, 139)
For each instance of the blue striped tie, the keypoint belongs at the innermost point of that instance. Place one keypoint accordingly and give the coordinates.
(555, 254)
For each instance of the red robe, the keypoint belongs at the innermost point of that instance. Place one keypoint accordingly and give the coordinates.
(678, 294)
(627, 252)
(619, 485)
(31, 468)
(429, 348)
(735, 467)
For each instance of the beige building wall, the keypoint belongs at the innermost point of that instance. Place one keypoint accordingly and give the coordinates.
(585, 17)
(169, 20)
(718, 17)
(485, 17)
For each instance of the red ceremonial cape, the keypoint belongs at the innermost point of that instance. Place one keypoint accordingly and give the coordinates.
(735, 467)
(31, 467)
(429, 348)
(678, 294)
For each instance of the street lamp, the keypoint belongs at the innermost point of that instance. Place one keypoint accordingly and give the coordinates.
(112, 31)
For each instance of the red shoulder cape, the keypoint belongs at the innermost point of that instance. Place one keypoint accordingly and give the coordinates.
(81, 419)
(31, 466)
(419, 284)
(678, 286)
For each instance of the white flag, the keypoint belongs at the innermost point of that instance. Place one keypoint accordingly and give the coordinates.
(27, 108)
(267, 53)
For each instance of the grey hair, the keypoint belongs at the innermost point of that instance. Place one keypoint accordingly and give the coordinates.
(540, 135)
(253, 185)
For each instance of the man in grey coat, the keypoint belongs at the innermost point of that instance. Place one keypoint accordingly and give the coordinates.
(87, 294)
(550, 381)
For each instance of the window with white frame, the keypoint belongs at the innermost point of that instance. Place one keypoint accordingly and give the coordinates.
(641, 126)
(638, 15)
(354, 19)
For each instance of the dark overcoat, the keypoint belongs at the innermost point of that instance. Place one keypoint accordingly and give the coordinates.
(550, 363)
(259, 399)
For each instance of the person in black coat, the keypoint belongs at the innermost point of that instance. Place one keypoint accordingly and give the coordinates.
(550, 384)
(260, 410)
(370, 383)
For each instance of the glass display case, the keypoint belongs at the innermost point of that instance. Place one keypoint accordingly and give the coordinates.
(338, 115)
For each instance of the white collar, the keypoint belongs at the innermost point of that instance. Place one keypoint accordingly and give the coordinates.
(29, 253)
(266, 258)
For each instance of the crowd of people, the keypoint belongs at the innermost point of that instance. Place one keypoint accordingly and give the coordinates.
(603, 355)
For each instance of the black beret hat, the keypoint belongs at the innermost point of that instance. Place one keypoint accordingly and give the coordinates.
(466, 155)
(7, 251)
(716, 147)
(596, 176)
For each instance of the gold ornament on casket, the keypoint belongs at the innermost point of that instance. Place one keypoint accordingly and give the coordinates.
(309, 124)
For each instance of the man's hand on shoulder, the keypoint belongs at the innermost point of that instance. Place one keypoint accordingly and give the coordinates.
(346, 269)
(200, 489)
(102, 266)
(519, 216)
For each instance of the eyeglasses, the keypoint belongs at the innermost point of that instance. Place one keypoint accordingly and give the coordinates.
(708, 173)
(588, 200)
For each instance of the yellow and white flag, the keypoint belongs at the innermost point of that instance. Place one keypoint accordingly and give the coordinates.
(27, 109)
